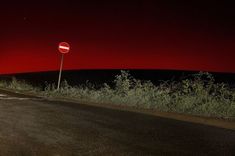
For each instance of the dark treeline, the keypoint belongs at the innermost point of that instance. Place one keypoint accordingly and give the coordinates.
(98, 77)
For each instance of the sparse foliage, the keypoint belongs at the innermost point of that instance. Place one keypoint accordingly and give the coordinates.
(199, 95)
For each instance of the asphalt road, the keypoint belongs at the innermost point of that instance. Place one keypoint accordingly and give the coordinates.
(34, 126)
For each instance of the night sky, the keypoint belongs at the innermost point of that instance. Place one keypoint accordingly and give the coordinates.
(144, 34)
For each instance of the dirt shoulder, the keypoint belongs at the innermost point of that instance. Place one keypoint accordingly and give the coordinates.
(221, 123)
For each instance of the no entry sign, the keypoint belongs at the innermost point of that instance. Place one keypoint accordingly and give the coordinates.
(64, 47)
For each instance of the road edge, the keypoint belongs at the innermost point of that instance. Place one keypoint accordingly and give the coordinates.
(209, 121)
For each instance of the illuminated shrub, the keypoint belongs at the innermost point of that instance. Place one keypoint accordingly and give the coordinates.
(199, 95)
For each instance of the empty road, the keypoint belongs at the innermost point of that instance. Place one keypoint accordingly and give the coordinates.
(34, 126)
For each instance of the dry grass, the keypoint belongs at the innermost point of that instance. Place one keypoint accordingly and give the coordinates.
(199, 95)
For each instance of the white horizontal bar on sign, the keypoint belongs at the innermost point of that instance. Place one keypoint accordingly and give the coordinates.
(63, 47)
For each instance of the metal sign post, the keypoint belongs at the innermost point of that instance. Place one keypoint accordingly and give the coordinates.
(63, 48)
(61, 68)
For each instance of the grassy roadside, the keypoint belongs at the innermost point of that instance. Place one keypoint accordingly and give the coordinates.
(199, 95)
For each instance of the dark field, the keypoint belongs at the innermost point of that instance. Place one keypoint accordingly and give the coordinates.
(98, 77)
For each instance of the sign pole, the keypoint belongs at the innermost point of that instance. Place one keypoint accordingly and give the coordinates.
(61, 68)
(64, 48)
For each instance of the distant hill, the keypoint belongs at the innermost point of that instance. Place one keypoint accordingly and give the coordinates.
(98, 77)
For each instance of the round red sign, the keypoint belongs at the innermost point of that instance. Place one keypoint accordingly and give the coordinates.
(64, 47)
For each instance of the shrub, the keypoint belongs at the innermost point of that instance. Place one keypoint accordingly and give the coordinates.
(199, 95)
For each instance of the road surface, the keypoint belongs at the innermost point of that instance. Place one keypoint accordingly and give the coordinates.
(34, 126)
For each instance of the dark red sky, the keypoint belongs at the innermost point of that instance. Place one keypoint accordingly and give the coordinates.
(117, 35)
